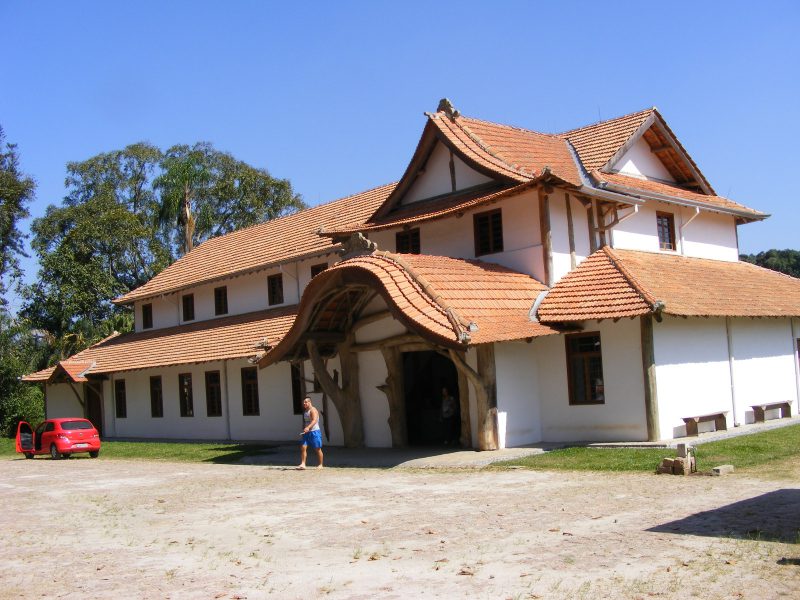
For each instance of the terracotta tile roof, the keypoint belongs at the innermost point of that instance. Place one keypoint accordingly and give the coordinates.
(618, 180)
(597, 143)
(439, 297)
(262, 245)
(204, 341)
(528, 152)
(76, 369)
(614, 284)
(430, 210)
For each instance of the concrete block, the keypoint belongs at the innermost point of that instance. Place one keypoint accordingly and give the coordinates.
(722, 470)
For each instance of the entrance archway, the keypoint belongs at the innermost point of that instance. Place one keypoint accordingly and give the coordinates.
(425, 373)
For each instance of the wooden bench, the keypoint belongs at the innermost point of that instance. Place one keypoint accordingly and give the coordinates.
(720, 422)
(760, 409)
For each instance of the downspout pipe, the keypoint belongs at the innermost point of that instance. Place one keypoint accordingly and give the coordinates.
(685, 225)
(796, 355)
(731, 370)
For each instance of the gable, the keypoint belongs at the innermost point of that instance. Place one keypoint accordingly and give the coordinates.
(437, 177)
(640, 161)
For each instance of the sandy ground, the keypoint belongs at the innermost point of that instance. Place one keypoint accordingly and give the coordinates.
(92, 528)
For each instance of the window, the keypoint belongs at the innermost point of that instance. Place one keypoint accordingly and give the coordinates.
(188, 307)
(147, 316)
(120, 401)
(488, 232)
(221, 300)
(665, 222)
(250, 391)
(185, 394)
(298, 393)
(213, 394)
(585, 369)
(275, 289)
(407, 242)
(156, 398)
(317, 269)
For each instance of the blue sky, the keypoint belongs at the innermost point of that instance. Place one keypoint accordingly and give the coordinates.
(331, 95)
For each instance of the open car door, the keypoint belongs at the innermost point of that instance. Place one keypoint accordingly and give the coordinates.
(25, 439)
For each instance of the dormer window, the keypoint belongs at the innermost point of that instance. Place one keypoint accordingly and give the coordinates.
(147, 316)
(665, 223)
(275, 289)
(221, 300)
(188, 307)
(488, 232)
(407, 242)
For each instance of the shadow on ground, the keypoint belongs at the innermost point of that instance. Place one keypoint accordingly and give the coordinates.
(772, 517)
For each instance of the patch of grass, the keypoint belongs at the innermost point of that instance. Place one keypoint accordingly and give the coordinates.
(581, 458)
(166, 451)
(748, 451)
(744, 452)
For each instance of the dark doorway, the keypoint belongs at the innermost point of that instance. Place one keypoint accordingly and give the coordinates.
(94, 404)
(424, 376)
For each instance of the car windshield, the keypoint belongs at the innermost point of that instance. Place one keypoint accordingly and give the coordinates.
(73, 425)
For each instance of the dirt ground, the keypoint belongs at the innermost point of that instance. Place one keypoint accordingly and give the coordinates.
(80, 527)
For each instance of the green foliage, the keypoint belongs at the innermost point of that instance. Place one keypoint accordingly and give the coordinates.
(20, 352)
(16, 192)
(784, 261)
(99, 244)
(205, 193)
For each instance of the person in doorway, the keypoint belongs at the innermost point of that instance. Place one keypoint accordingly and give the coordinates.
(312, 436)
(449, 424)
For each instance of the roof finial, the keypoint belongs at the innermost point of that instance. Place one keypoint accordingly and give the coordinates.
(447, 108)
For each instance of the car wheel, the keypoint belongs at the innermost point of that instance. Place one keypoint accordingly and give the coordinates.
(54, 452)
(29, 455)
(94, 453)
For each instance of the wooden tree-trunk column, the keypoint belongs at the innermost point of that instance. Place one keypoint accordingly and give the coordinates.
(649, 373)
(483, 382)
(346, 398)
(465, 439)
(393, 388)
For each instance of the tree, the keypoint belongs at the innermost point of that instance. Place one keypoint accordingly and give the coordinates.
(21, 351)
(205, 192)
(784, 261)
(101, 243)
(16, 192)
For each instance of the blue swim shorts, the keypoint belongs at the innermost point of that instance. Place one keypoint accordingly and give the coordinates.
(312, 439)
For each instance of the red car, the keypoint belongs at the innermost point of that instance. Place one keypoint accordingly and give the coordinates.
(59, 438)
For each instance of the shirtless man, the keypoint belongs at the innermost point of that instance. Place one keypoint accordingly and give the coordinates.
(312, 436)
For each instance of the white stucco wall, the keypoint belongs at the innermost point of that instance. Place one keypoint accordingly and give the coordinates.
(372, 373)
(518, 392)
(692, 372)
(622, 417)
(435, 180)
(640, 161)
(454, 236)
(61, 401)
(709, 235)
(764, 364)
(559, 228)
(246, 293)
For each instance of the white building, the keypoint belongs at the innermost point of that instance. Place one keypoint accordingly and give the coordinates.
(563, 287)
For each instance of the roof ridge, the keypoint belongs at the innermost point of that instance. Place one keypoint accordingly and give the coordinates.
(605, 121)
(632, 280)
(514, 127)
(485, 147)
